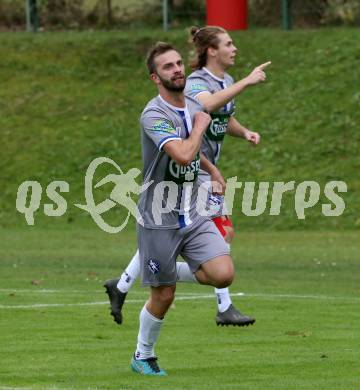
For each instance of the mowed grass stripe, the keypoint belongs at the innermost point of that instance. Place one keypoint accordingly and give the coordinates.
(185, 298)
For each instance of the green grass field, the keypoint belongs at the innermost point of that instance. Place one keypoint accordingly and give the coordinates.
(56, 331)
(67, 98)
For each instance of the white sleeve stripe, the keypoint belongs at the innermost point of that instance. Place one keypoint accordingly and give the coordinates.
(166, 140)
(201, 93)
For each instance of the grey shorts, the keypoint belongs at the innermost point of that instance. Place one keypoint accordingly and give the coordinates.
(159, 249)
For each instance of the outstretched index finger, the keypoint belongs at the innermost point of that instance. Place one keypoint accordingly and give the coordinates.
(265, 65)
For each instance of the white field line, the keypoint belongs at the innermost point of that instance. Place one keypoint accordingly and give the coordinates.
(185, 298)
(58, 388)
(14, 388)
(39, 305)
(52, 388)
(101, 290)
(51, 291)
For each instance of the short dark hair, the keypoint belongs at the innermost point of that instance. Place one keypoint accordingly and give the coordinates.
(158, 49)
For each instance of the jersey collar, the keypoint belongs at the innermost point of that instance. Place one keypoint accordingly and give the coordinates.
(213, 76)
(171, 106)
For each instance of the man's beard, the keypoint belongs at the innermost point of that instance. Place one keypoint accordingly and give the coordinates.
(171, 86)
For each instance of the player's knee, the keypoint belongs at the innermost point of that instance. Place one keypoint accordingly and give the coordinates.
(225, 277)
(166, 296)
(225, 281)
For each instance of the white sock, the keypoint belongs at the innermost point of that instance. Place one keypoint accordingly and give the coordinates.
(130, 274)
(149, 331)
(223, 299)
(184, 273)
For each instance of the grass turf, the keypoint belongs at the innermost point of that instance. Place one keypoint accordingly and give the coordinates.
(67, 98)
(302, 287)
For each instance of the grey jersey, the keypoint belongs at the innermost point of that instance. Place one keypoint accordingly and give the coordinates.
(161, 123)
(203, 80)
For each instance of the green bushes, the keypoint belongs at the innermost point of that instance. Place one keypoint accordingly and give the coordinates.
(79, 14)
(306, 12)
(12, 14)
(342, 12)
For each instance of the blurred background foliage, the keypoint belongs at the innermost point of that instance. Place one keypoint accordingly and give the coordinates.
(84, 14)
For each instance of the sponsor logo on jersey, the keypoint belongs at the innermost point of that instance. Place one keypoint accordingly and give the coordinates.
(162, 126)
(181, 174)
(215, 200)
(218, 126)
(199, 87)
(154, 266)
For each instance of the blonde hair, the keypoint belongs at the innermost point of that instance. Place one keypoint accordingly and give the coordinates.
(203, 38)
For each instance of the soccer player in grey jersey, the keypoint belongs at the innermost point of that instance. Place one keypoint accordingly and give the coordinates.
(162, 122)
(216, 90)
(172, 131)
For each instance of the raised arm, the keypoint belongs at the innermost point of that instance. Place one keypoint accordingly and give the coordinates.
(183, 151)
(213, 101)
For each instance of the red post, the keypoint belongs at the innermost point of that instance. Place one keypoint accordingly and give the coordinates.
(229, 14)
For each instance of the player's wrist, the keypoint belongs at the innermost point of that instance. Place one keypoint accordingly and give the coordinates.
(244, 83)
(212, 170)
(246, 134)
(198, 130)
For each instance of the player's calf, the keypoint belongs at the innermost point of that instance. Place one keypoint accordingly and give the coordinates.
(160, 300)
